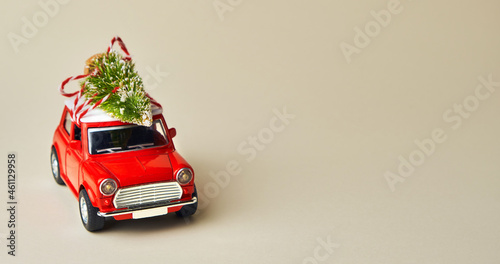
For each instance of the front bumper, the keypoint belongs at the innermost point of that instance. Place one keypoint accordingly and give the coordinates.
(150, 211)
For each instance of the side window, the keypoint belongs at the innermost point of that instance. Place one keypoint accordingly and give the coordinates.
(159, 133)
(78, 132)
(67, 123)
(157, 126)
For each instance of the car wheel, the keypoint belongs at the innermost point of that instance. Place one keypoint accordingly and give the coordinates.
(88, 213)
(190, 209)
(54, 164)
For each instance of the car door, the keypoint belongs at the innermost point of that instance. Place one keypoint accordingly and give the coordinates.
(74, 157)
(64, 133)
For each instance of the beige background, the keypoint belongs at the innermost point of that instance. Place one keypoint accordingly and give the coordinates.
(321, 177)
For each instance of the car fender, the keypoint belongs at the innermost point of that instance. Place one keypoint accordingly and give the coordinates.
(92, 173)
(178, 162)
(56, 141)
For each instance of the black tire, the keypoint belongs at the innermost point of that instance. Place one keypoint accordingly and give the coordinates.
(88, 213)
(55, 166)
(190, 209)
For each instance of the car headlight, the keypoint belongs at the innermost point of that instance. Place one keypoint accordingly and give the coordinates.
(108, 187)
(184, 175)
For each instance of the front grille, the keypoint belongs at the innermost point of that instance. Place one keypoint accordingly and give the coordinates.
(144, 195)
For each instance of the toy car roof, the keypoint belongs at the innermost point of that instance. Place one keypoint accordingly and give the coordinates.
(97, 114)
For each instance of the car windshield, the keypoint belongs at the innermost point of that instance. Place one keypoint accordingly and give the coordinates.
(125, 138)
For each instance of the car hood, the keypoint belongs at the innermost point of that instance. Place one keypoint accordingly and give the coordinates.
(140, 169)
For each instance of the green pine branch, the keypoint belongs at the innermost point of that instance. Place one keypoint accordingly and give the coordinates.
(130, 103)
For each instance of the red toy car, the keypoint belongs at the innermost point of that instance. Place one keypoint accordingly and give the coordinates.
(121, 170)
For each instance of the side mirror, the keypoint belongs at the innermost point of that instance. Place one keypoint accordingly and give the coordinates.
(172, 132)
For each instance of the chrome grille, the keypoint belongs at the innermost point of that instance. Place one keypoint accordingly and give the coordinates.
(143, 195)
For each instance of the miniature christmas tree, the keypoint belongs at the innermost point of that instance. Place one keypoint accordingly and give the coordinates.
(114, 76)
